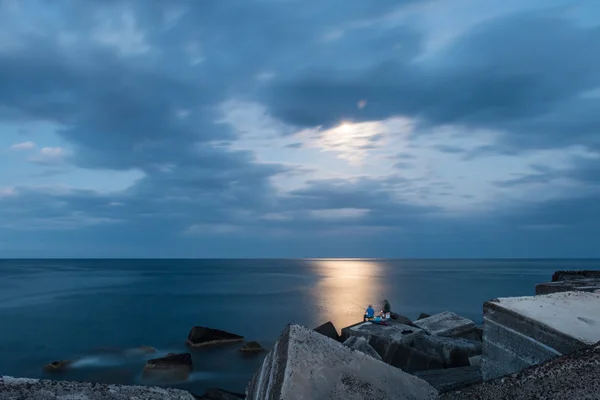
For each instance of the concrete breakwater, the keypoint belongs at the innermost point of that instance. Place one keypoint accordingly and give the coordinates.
(524, 343)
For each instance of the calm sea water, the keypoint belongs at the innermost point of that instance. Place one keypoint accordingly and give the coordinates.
(91, 309)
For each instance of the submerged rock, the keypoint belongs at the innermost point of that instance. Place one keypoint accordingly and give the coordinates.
(306, 365)
(57, 366)
(251, 347)
(34, 389)
(171, 368)
(329, 330)
(359, 343)
(200, 336)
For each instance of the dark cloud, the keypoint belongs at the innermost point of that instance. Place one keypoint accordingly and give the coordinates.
(155, 110)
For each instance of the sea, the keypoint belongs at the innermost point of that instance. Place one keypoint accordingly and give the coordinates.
(98, 311)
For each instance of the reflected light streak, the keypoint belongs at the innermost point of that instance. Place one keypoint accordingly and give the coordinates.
(346, 288)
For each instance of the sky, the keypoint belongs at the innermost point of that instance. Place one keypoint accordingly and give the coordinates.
(288, 128)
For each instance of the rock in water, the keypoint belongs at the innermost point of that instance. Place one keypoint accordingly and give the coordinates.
(172, 368)
(329, 330)
(306, 365)
(200, 336)
(359, 343)
(251, 347)
(34, 389)
(57, 366)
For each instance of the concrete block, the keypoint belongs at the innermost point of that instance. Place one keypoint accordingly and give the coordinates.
(520, 332)
(306, 365)
(34, 389)
(445, 380)
(359, 343)
(573, 376)
(574, 275)
(329, 330)
(454, 352)
(581, 285)
(395, 344)
(447, 324)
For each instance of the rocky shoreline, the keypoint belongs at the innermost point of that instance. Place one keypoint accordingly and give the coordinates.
(542, 346)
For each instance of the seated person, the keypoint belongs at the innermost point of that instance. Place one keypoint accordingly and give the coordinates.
(369, 313)
(387, 310)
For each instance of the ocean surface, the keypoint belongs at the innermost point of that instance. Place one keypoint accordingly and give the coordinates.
(97, 310)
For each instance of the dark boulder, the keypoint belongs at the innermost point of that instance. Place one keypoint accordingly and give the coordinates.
(401, 319)
(329, 330)
(445, 380)
(171, 368)
(575, 275)
(423, 316)
(454, 352)
(220, 394)
(57, 366)
(200, 336)
(251, 347)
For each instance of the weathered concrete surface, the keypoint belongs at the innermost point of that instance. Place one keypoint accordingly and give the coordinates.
(329, 330)
(574, 275)
(454, 352)
(581, 285)
(395, 344)
(523, 331)
(445, 380)
(201, 336)
(306, 365)
(575, 376)
(33, 389)
(448, 324)
(359, 343)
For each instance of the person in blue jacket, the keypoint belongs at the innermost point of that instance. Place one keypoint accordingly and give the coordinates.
(369, 313)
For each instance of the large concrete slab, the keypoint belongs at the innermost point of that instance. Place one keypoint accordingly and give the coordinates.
(34, 389)
(523, 331)
(573, 376)
(448, 324)
(306, 365)
(395, 344)
(580, 285)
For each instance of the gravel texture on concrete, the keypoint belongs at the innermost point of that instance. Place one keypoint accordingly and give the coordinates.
(34, 389)
(573, 376)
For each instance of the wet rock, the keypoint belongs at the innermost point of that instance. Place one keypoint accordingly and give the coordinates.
(200, 336)
(306, 365)
(445, 380)
(359, 343)
(329, 330)
(57, 366)
(448, 324)
(251, 347)
(220, 394)
(423, 316)
(34, 389)
(171, 368)
(573, 376)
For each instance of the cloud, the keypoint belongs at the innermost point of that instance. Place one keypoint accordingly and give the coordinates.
(28, 145)
(301, 129)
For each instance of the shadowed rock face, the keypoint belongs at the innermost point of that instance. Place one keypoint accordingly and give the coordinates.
(329, 330)
(306, 365)
(574, 275)
(200, 336)
(220, 394)
(573, 376)
(173, 367)
(33, 389)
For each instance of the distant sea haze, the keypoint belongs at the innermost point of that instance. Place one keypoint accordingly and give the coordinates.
(92, 310)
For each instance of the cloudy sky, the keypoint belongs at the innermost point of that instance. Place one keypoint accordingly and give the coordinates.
(288, 128)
